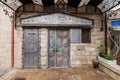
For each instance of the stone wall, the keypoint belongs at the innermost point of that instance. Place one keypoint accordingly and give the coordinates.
(78, 57)
(18, 32)
(5, 40)
(89, 51)
(112, 70)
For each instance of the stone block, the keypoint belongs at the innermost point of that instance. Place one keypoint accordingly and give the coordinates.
(87, 53)
(43, 45)
(73, 48)
(111, 74)
(117, 77)
(83, 62)
(89, 62)
(45, 49)
(44, 41)
(44, 63)
(93, 57)
(44, 58)
(43, 54)
(94, 53)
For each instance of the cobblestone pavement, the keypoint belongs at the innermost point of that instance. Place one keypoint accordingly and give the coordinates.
(61, 74)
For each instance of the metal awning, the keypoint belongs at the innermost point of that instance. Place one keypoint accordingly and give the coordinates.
(103, 5)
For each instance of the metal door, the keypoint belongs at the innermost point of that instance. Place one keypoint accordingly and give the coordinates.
(59, 48)
(31, 48)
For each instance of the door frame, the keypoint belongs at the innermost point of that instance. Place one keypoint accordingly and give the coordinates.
(69, 47)
(39, 49)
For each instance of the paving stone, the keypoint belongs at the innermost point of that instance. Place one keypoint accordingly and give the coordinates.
(80, 73)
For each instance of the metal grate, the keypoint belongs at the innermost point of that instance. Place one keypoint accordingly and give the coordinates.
(20, 78)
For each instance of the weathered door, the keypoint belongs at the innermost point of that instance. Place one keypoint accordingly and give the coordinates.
(30, 48)
(59, 48)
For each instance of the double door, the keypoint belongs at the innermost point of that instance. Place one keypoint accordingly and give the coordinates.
(58, 48)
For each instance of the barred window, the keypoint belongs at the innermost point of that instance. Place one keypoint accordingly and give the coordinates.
(86, 36)
(76, 35)
(81, 35)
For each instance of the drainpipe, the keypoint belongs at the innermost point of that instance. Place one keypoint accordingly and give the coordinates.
(106, 33)
(12, 40)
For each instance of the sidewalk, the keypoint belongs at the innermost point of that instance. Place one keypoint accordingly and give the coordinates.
(7, 74)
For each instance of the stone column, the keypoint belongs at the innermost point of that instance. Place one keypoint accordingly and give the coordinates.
(44, 48)
(18, 47)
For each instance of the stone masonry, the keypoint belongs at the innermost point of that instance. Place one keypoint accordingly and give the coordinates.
(44, 48)
(78, 57)
(5, 40)
(80, 53)
(89, 51)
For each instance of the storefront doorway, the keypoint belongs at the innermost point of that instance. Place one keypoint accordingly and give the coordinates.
(58, 51)
(30, 48)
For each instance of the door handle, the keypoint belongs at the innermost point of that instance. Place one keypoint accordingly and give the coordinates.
(53, 50)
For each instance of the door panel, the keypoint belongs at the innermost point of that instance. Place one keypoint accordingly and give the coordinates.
(60, 50)
(31, 48)
(52, 48)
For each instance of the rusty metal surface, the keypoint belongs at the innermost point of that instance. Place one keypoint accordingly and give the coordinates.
(31, 48)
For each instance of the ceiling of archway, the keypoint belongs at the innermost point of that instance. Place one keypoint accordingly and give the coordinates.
(103, 5)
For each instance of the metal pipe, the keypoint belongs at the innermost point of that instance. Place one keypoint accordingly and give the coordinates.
(12, 40)
(106, 33)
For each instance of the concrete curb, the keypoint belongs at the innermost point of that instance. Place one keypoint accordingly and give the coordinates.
(9, 75)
